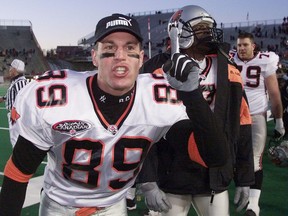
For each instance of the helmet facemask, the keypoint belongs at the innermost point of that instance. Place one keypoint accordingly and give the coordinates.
(190, 16)
(200, 32)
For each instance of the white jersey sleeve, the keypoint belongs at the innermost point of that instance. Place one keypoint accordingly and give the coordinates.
(46, 100)
(92, 163)
(272, 60)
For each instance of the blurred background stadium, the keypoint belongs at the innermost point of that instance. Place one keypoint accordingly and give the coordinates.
(17, 40)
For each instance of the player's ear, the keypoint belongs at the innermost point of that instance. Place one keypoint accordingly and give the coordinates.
(141, 58)
(94, 55)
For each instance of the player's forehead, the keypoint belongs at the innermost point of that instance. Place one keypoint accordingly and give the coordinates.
(244, 41)
(119, 38)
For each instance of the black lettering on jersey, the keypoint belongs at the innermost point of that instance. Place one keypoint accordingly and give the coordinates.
(165, 94)
(91, 154)
(121, 162)
(83, 161)
(252, 74)
(56, 94)
(159, 76)
(263, 54)
(57, 74)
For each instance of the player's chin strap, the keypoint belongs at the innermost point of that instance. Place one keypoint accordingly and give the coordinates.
(229, 58)
(221, 107)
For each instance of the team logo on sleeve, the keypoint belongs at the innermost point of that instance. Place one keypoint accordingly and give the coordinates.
(14, 115)
(71, 126)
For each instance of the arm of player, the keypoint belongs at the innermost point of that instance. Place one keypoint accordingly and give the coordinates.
(241, 197)
(276, 105)
(18, 170)
(200, 136)
(149, 170)
(244, 166)
(155, 198)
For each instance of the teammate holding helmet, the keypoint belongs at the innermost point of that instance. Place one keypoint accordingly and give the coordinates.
(177, 183)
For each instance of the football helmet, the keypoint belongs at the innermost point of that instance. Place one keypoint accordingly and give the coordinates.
(189, 16)
(278, 154)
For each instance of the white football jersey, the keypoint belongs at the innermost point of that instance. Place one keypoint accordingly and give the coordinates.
(92, 163)
(253, 73)
(208, 80)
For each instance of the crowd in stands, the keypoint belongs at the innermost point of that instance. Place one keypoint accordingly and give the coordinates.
(271, 38)
(11, 53)
(268, 39)
(285, 25)
(14, 53)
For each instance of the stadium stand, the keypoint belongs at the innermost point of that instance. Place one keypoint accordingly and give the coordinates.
(71, 57)
(17, 40)
(269, 34)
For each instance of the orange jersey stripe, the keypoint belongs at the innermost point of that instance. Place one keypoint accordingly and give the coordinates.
(234, 74)
(14, 173)
(194, 152)
(86, 211)
(245, 117)
(158, 71)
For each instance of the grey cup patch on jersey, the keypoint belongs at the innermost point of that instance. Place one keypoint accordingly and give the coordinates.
(71, 126)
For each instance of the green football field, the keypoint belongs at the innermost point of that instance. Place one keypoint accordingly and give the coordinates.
(273, 198)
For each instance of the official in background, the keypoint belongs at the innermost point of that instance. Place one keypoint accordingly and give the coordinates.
(18, 81)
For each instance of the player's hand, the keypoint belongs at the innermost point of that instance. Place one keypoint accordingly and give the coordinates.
(155, 198)
(279, 130)
(182, 72)
(241, 197)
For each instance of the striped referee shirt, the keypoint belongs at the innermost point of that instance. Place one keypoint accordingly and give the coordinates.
(17, 83)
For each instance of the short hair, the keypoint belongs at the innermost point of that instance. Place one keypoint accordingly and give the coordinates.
(243, 35)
